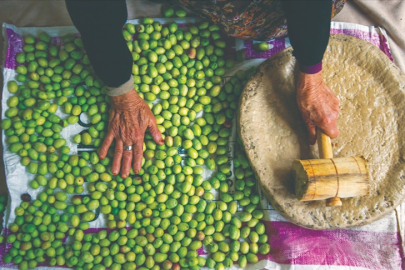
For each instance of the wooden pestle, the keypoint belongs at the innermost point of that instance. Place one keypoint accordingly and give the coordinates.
(326, 151)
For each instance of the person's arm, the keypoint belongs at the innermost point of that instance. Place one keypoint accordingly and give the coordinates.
(308, 25)
(100, 25)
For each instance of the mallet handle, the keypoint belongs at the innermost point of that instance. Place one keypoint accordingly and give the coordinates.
(324, 145)
(326, 151)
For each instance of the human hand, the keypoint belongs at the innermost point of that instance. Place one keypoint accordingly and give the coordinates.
(130, 116)
(318, 105)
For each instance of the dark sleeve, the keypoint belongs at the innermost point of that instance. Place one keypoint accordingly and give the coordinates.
(100, 25)
(308, 25)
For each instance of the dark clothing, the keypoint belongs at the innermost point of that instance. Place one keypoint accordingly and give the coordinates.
(308, 25)
(100, 24)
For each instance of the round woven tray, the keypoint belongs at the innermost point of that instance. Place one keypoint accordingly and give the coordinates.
(371, 90)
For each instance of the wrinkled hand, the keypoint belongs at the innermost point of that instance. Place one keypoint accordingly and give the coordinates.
(318, 105)
(130, 116)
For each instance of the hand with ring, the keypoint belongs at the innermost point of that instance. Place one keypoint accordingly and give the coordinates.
(130, 116)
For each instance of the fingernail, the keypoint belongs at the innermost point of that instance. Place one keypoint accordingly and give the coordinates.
(124, 176)
(136, 171)
(115, 172)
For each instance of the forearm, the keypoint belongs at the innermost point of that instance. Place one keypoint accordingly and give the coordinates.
(100, 25)
(309, 29)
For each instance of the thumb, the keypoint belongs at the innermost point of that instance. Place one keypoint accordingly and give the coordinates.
(311, 132)
(154, 131)
(332, 131)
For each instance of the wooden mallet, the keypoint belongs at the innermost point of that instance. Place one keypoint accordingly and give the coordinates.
(330, 178)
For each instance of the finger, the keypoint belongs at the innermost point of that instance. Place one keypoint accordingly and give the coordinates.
(119, 149)
(126, 163)
(138, 154)
(329, 125)
(337, 101)
(106, 144)
(108, 140)
(154, 131)
(331, 130)
(311, 132)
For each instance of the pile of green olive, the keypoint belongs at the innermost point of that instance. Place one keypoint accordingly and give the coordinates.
(161, 217)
